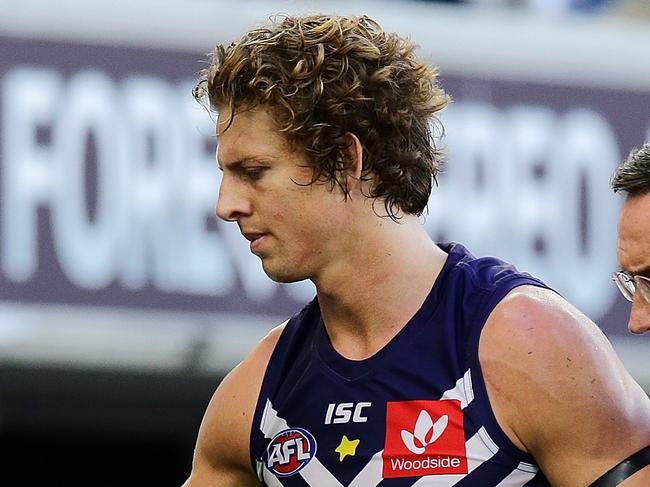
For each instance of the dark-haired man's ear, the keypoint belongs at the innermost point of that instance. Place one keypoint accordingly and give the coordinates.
(353, 154)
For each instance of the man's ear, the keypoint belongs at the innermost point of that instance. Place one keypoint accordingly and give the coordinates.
(353, 154)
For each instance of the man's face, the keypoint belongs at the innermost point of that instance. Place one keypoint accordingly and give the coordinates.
(296, 228)
(634, 253)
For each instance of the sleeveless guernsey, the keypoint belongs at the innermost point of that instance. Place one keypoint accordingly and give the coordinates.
(414, 414)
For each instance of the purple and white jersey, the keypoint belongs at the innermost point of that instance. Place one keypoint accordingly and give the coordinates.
(414, 414)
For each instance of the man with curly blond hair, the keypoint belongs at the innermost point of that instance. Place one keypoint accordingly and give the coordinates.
(416, 363)
(633, 280)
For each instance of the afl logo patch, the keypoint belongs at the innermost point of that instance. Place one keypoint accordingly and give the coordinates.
(290, 451)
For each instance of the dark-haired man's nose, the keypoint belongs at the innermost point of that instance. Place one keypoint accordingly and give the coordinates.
(639, 315)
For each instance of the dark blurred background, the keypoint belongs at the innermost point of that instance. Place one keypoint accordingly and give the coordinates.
(123, 302)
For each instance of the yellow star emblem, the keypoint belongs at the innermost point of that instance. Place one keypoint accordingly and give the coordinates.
(347, 447)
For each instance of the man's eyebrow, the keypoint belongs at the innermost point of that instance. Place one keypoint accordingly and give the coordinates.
(237, 164)
(644, 271)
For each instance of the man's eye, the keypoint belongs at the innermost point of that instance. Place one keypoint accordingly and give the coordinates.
(253, 173)
(250, 173)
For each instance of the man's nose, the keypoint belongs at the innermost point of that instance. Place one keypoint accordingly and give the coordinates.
(639, 315)
(232, 202)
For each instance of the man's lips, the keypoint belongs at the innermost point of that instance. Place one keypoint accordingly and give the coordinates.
(256, 239)
(252, 236)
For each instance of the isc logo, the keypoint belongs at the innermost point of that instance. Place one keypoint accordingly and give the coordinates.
(289, 451)
(342, 413)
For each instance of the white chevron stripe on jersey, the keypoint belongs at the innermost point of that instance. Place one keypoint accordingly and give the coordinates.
(271, 424)
(314, 472)
(371, 474)
(317, 475)
(270, 479)
(522, 474)
(463, 390)
(478, 452)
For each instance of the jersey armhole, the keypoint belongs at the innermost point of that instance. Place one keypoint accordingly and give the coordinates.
(270, 378)
(488, 300)
(272, 375)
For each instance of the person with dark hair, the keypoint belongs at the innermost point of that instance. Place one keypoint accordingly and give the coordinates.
(416, 363)
(633, 178)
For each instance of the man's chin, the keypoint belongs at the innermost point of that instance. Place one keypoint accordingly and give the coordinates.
(283, 275)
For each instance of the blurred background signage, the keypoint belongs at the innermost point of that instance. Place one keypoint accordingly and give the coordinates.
(108, 177)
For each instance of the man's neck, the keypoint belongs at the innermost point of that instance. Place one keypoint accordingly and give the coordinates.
(369, 294)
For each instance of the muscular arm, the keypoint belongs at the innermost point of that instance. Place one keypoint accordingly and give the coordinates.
(559, 391)
(222, 455)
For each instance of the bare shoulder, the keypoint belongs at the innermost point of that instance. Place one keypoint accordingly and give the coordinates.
(558, 389)
(222, 456)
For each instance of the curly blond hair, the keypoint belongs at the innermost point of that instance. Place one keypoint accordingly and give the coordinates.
(323, 76)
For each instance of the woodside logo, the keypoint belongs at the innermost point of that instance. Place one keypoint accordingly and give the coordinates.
(424, 438)
(424, 428)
